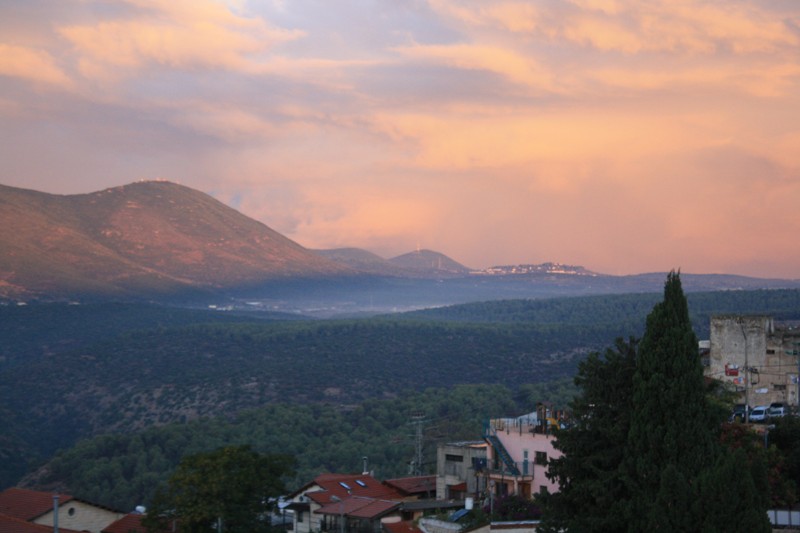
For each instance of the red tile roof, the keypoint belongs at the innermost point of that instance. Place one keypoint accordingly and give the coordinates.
(11, 524)
(360, 507)
(416, 485)
(345, 485)
(28, 504)
(130, 523)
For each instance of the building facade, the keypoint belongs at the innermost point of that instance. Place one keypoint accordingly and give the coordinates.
(756, 357)
(459, 469)
(518, 452)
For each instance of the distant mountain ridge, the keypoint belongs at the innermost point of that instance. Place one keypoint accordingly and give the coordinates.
(152, 237)
(416, 264)
(157, 240)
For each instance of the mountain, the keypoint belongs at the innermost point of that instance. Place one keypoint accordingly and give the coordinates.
(418, 264)
(160, 241)
(430, 262)
(146, 238)
(363, 261)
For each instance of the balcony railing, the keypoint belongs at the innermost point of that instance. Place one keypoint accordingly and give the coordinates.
(516, 469)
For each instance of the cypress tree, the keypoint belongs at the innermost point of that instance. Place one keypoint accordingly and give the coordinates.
(672, 430)
(645, 452)
(676, 462)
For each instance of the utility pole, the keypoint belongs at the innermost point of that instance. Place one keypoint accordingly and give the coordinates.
(55, 513)
(746, 375)
(796, 352)
(418, 419)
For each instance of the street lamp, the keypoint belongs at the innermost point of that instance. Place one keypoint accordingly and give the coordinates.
(335, 498)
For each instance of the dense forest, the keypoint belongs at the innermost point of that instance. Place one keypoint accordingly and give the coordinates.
(122, 470)
(75, 371)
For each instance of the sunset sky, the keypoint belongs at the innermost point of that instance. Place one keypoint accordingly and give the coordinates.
(623, 136)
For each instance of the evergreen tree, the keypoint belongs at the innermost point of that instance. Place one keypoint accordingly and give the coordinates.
(680, 476)
(645, 453)
(672, 428)
(731, 501)
(592, 491)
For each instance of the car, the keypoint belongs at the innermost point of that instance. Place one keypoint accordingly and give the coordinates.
(759, 414)
(739, 412)
(777, 409)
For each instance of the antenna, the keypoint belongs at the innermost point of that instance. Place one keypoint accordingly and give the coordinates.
(418, 419)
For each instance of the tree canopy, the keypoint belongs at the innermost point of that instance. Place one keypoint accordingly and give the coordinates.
(645, 454)
(230, 487)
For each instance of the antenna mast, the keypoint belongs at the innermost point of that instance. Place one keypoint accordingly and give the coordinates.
(418, 419)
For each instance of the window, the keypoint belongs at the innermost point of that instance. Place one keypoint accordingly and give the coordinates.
(299, 516)
(361, 483)
(540, 458)
(345, 485)
(454, 458)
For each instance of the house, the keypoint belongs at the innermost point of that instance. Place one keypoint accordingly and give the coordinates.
(413, 487)
(518, 452)
(11, 524)
(756, 357)
(344, 502)
(459, 468)
(40, 508)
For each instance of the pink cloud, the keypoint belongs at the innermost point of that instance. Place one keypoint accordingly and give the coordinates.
(33, 65)
(174, 34)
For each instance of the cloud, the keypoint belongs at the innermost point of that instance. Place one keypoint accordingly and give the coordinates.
(174, 34)
(618, 134)
(505, 62)
(33, 65)
(630, 26)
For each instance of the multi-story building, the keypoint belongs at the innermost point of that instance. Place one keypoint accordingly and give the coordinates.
(459, 469)
(755, 356)
(517, 454)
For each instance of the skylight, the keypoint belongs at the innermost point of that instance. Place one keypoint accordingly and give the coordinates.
(345, 485)
(361, 483)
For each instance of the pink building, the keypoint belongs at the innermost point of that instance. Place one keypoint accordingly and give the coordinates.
(517, 455)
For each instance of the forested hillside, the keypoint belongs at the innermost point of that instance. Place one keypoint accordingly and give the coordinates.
(71, 372)
(122, 470)
(626, 310)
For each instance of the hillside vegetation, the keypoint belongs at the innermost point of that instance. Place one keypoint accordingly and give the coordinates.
(71, 372)
(122, 470)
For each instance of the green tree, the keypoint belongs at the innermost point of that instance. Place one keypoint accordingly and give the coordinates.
(231, 486)
(645, 452)
(592, 488)
(671, 424)
(676, 463)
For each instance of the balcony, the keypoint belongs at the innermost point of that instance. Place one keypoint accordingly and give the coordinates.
(518, 469)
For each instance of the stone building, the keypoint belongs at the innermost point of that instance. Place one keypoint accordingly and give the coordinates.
(755, 356)
(458, 469)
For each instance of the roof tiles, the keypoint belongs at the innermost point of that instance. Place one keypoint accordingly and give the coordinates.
(28, 504)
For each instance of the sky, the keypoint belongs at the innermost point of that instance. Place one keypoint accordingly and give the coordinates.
(623, 136)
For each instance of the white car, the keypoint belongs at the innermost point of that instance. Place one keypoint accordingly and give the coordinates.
(759, 414)
(777, 409)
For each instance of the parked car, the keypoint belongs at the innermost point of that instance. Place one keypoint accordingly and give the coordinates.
(777, 409)
(759, 414)
(739, 412)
